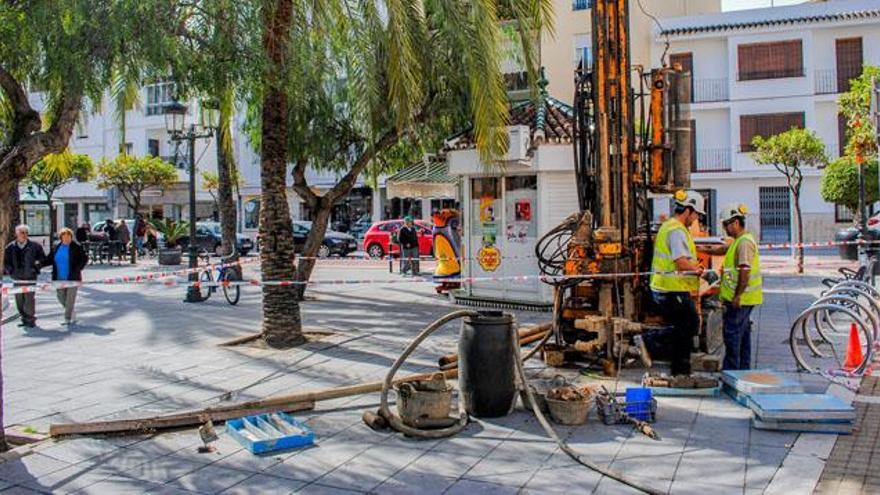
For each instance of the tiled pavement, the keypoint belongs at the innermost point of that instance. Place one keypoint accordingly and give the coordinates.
(140, 352)
(854, 464)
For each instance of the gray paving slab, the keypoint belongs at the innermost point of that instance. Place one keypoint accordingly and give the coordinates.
(121, 363)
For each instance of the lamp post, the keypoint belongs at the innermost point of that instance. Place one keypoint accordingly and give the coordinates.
(175, 124)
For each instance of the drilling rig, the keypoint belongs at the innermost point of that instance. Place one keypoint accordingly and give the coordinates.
(632, 142)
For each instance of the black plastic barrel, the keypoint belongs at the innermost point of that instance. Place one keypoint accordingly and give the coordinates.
(486, 366)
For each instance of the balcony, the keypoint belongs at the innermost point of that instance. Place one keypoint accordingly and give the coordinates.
(825, 81)
(709, 90)
(829, 81)
(712, 160)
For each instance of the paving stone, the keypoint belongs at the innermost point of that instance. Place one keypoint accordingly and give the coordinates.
(164, 469)
(411, 481)
(469, 487)
(30, 467)
(261, 483)
(210, 479)
(318, 489)
(119, 485)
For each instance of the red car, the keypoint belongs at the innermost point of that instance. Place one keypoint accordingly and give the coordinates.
(378, 238)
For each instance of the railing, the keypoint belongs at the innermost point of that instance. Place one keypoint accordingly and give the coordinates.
(178, 161)
(825, 81)
(712, 160)
(707, 90)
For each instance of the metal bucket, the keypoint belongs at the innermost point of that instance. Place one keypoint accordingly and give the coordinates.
(423, 403)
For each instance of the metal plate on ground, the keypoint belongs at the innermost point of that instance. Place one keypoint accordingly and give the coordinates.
(761, 382)
(801, 407)
(842, 427)
(685, 392)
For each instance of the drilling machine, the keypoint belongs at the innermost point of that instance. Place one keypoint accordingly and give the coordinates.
(632, 142)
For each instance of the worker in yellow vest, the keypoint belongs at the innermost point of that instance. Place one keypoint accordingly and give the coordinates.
(740, 288)
(675, 276)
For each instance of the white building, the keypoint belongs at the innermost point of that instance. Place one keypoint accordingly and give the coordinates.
(760, 72)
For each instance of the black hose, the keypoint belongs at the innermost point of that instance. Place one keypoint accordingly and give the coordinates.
(561, 443)
(393, 419)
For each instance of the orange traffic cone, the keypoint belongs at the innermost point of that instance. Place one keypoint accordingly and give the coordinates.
(854, 350)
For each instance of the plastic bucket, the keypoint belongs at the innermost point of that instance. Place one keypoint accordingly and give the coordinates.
(638, 403)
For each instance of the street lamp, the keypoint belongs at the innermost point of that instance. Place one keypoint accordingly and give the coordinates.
(175, 124)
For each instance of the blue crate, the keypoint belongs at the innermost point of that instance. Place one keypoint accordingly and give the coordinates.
(269, 432)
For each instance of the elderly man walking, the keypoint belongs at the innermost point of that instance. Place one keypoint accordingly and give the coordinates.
(22, 261)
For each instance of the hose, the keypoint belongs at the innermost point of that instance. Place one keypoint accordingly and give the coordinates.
(393, 419)
(561, 443)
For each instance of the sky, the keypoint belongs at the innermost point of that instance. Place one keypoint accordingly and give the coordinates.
(754, 4)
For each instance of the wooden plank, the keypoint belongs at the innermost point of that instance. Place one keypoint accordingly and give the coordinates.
(280, 403)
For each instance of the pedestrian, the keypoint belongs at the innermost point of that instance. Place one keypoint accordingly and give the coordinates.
(675, 276)
(140, 233)
(740, 289)
(82, 233)
(408, 238)
(124, 238)
(68, 259)
(22, 261)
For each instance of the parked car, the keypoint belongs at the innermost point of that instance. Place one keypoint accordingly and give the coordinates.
(335, 243)
(209, 237)
(850, 252)
(377, 240)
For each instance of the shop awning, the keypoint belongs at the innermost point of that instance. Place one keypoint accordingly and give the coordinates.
(426, 179)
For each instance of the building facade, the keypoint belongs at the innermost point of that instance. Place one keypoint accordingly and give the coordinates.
(760, 72)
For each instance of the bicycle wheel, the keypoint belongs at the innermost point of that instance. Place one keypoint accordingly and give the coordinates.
(205, 289)
(231, 292)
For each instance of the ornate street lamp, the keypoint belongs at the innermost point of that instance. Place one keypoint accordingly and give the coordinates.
(175, 124)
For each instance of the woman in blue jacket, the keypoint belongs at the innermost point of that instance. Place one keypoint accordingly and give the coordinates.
(68, 259)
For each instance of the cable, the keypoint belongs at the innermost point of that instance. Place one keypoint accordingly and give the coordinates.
(660, 27)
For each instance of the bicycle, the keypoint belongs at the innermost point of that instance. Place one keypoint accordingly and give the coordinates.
(226, 275)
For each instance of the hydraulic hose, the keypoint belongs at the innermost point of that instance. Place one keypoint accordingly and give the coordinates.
(393, 419)
(561, 443)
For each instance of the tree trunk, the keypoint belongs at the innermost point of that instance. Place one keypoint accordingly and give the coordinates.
(313, 243)
(10, 211)
(799, 230)
(133, 254)
(282, 323)
(225, 201)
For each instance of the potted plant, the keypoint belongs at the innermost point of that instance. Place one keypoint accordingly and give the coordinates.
(172, 231)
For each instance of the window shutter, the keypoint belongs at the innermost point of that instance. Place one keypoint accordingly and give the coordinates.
(849, 61)
(766, 125)
(774, 60)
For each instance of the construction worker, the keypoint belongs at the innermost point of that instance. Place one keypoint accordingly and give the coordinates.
(676, 275)
(740, 289)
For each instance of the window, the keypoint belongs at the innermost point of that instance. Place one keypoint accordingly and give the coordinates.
(159, 95)
(766, 125)
(775, 214)
(128, 148)
(583, 57)
(842, 214)
(581, 4)
(841, 134)
(252, 214)
(770, 60)
(153, 147)
(849, 61)
(82, 131)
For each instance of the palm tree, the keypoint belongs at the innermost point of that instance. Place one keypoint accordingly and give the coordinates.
(125, 95)
(346, 82)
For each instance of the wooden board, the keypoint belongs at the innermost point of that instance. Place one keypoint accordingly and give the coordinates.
(279, 403)
(761, 382)
(177, 420)
(801, 407)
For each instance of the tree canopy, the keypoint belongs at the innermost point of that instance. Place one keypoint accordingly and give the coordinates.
(855, 106)
(840, 183)
(57, 170)
(792, 149)
(132, 175)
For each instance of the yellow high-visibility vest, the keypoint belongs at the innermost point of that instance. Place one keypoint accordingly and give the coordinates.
(753, 294)
(664, 278)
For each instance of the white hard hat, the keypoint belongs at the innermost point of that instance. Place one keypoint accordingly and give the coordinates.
(733, 210)
(692, 199)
